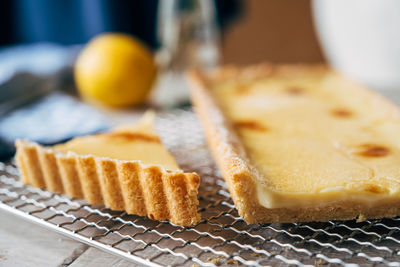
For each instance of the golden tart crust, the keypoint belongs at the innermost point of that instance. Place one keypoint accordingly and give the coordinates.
(357, 198)
(130, 185)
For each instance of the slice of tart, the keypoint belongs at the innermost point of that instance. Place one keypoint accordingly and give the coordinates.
(301, 143)
(126, 169)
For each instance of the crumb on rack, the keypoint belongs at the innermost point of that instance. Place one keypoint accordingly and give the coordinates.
(361, 218)
(319, 262)
(232, 262)
(219, 258)
(216, 260)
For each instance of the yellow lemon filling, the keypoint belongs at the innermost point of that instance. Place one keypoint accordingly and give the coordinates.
(138, 142)
(312, 140)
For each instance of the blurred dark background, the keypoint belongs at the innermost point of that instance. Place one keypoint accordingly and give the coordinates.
(76, 21)
(252, 30)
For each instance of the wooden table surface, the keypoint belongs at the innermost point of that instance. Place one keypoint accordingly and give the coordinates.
(41, 247)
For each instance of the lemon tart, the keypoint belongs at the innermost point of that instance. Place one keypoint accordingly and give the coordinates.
(125, 169)
(301, 143)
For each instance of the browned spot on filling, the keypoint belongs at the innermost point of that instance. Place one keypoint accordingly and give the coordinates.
(376, 189)
(134, 136)
(243, 89)
(295, 91)
(248, 124)
(374, 151)
(342, 113)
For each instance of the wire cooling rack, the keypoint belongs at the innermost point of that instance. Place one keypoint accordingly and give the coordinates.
(220, 238)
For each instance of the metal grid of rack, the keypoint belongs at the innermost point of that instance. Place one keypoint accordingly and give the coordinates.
(221, 238)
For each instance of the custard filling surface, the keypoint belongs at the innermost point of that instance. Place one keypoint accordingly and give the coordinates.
(312, 140)
(138, 142)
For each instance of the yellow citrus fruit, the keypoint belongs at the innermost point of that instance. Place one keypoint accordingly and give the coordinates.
(116, 70)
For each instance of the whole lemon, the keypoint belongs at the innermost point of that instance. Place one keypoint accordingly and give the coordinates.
(116, 70)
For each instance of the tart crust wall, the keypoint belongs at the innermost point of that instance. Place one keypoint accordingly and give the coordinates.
(120, 185)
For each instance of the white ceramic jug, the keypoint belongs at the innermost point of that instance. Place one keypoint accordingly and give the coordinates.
(361, 38)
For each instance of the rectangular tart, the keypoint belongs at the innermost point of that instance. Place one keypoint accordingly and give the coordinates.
(300, 143)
